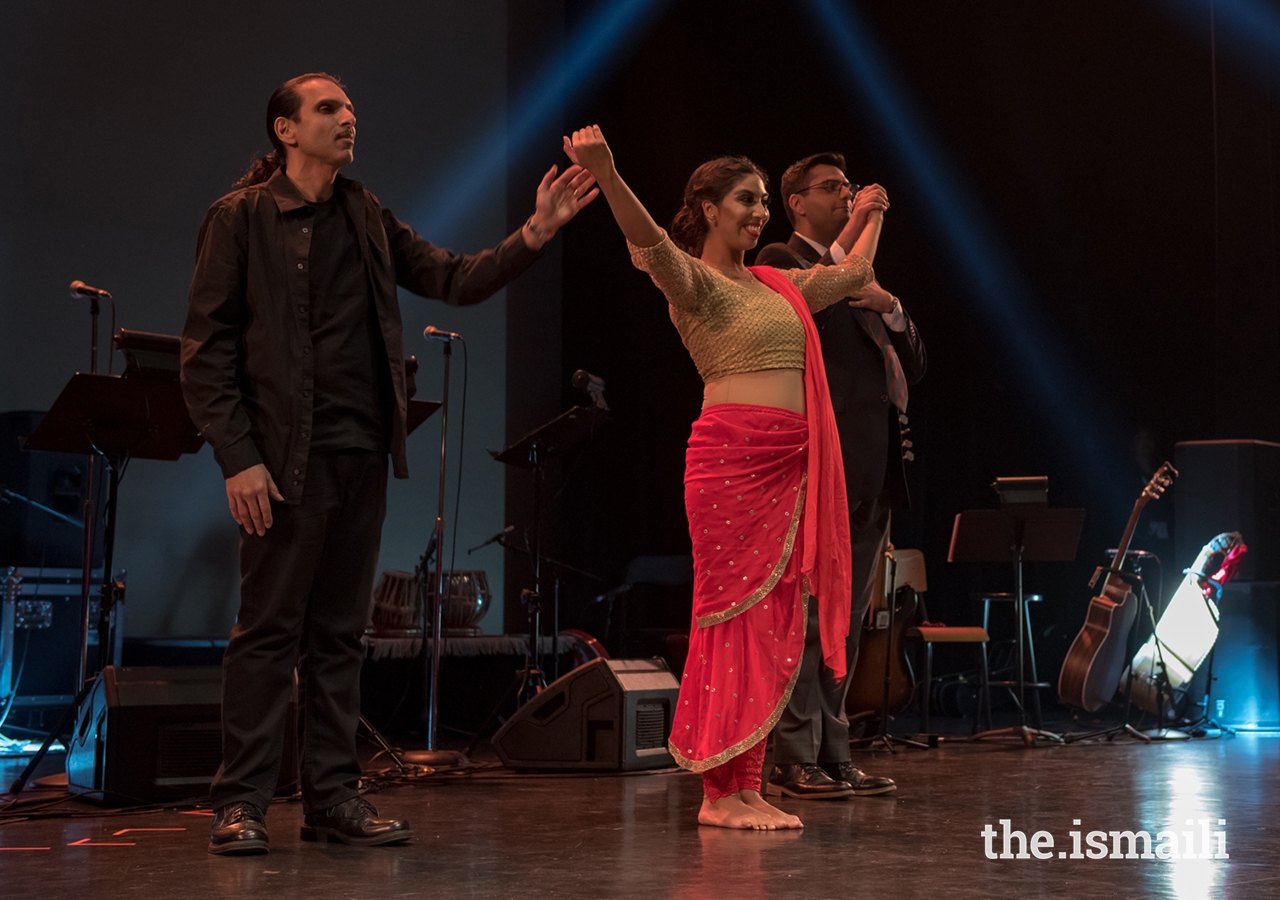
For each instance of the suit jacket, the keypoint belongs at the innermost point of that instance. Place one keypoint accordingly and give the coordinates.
(870, 434)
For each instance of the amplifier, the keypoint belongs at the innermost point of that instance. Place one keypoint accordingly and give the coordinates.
(40, 622)
(1246, 662)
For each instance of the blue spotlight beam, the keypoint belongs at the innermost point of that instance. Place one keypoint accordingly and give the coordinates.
(972, 242)
(1251, 28)
(599, 42)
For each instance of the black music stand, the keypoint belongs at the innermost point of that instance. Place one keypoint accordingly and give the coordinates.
(118, 418)
(1017, 533)
(565, 431)
(559, 568)
(532, 451)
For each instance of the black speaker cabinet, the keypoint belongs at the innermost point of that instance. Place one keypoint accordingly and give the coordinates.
(30, 536)
(1246, 664)
(1228, 486)
(151, 734)
(612, 714)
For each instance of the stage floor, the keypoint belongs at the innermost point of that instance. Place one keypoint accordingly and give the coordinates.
(497, 834)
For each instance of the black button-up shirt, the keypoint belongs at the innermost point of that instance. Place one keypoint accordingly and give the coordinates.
(248, 371)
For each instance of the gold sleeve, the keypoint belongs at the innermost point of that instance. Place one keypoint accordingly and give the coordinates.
(822, 286)
(677, 274)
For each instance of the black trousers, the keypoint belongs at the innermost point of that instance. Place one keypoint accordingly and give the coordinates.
(304, 586)
(814, 728)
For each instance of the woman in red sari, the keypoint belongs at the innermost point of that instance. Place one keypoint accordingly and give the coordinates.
(764, 485)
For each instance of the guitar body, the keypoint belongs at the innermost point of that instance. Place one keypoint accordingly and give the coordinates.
(866, 685)
(1097, 656)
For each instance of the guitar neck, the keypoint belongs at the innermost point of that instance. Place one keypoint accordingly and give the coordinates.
(1123, 547)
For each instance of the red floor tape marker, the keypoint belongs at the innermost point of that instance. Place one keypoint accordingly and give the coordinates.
(127, 830)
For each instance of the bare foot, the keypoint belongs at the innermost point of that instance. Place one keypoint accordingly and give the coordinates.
(731, 812)
(754, 801)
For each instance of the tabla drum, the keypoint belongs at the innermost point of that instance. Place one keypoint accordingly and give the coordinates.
(395, 601)
(467, 601)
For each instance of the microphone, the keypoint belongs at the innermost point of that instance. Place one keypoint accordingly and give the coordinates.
(82, 291)
(493, 540)
(585, 381)
(432, 333)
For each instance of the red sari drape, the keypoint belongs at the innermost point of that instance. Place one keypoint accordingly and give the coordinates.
(827, 561)
(768, 516)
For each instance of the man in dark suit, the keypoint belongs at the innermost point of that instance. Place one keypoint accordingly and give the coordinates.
(872, 352)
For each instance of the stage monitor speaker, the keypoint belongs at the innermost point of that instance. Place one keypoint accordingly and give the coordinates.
(1228, 486)
(612, 714)
(1246, 665)
(153, 734)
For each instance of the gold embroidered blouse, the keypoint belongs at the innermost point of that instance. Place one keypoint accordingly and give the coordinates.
(729, 328)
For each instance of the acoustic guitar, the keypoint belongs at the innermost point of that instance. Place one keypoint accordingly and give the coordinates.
(1097, 655)
(866, 685)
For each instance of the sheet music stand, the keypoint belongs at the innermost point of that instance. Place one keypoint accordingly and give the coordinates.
(118, 418)
(419, 411)
(565, 431)
(1017, 533)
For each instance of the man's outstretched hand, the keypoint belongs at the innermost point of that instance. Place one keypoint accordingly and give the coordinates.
(249, 494)
(559, 200)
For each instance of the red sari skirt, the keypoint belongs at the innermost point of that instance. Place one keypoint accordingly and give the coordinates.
(745, 495)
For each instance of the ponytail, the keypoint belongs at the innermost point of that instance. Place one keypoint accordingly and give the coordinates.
(688, 231)
(284, 103)
(260, 170)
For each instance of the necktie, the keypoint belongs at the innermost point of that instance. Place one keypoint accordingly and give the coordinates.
(892, 365)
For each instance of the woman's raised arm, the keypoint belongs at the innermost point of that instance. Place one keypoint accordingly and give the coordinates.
(587, 148)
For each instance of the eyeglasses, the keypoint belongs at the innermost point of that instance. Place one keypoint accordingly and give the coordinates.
(832, 186)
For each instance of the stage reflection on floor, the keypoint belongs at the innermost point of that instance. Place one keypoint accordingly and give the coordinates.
(1208, 804)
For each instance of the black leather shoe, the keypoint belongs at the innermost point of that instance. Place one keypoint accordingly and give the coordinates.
(238, 828)
(354, 822)
(863, 785)
(806, 782)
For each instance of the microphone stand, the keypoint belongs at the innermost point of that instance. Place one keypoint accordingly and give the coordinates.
(94, 310)
(90, 520)
(433, 756)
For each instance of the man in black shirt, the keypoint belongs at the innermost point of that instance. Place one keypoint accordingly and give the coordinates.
(293, 371)
(351, 366)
